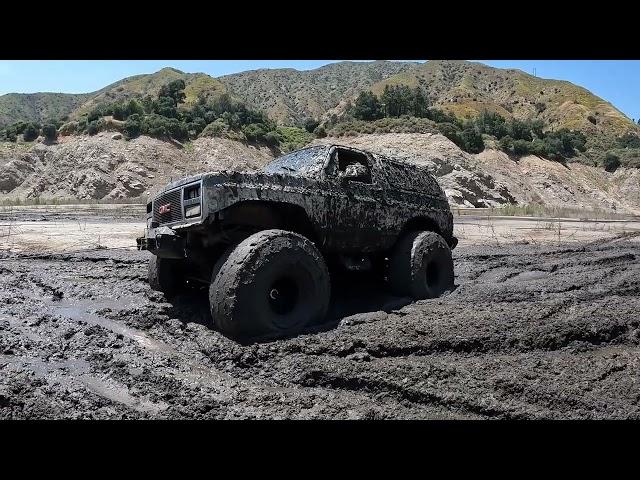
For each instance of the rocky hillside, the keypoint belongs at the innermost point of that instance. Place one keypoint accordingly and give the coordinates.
(196, 84)
(288, 96)
(102, 167)
(38, 107)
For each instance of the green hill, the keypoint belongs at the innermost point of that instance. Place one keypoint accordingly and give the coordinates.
(38, 106)
(466, 88)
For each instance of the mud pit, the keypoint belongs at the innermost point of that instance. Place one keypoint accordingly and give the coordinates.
(531, 331)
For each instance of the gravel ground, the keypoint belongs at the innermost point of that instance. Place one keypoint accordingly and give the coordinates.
(531, 331)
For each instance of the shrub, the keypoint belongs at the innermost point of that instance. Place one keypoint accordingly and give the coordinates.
(293, 138)
(452, 132)
(254, 132)
(367, 107)
(492, 123)
(50, 132)
(132, 126)
(320, 132)
(629, 140)
(215, 129)
(92, 127)
(472, 140)
(310, 124)
(520, 130)
(272, 138)
(521, 147)
(69, 128)
(31, 132)
(173, 90)
(506, 144)
(611, 162)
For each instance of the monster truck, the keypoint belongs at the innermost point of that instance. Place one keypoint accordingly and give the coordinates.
(265, 242)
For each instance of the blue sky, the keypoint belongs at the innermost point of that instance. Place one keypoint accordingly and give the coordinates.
(614, 80)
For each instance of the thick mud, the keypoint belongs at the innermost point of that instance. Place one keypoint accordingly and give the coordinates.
(529, 332)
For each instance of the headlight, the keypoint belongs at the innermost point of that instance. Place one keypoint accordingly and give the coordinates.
(192, 211)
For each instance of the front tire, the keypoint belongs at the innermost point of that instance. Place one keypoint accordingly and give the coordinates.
(421, 266)
(164, 275)
(274, 283)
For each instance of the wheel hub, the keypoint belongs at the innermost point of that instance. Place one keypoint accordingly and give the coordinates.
(283, 295)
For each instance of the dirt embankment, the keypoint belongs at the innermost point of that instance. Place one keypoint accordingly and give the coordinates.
(101, 167)
(529, 332)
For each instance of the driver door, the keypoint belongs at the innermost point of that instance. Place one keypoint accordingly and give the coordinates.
(355, 205)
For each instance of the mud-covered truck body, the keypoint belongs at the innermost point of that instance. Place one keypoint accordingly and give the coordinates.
(335, 206)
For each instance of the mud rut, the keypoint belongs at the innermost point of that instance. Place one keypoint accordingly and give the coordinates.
(530, 332)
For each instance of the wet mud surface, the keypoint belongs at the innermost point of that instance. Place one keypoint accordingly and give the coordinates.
(530, 332)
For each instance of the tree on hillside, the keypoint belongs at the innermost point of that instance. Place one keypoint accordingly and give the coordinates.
(367, 107)
(397, 100)
(310, 124)
(611, 162)
(174, 90)
(472, 139)
(31, 132)
(166, 106)
(492, 123)
(50, 132)
(419, 104)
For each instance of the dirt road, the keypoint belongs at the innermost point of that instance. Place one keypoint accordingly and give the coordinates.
(531, 331)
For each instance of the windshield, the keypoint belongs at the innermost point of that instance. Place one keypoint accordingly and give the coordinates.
(307, 161)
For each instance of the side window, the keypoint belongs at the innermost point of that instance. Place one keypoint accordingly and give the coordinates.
(350, 166)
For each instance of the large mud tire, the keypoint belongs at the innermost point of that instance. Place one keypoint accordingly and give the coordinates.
(164, 275)
(421, 266)
(274, 283)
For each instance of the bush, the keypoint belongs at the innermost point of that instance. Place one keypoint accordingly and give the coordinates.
(521, 147)
(132, 126)
(30, 132)
(50, 132)
(452, 132)
(272, 139)
(173, 90)
(215, 129)
(520, 130)
(254, 132)
(92, 127)
(611, 162)
(310, 124)
(506, 144)
(69, 128)
(492, 123)
(472, 140)
(293, 138)
(629, 140)
(367, 107)
(320, 132)
(9, 134)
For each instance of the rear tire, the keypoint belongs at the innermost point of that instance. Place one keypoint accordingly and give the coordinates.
(164, 275)
(421, 266)
(274, 283)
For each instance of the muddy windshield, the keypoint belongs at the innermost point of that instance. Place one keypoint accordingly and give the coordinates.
(307, 161)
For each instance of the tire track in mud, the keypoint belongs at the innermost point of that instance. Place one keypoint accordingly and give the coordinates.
(510, 342)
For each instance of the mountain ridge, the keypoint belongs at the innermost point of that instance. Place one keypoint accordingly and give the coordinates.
(289, 96)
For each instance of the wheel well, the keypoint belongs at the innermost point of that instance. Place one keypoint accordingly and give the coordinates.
(420, 223)
(267, 215)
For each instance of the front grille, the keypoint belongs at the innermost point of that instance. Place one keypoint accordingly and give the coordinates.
(174, 200)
